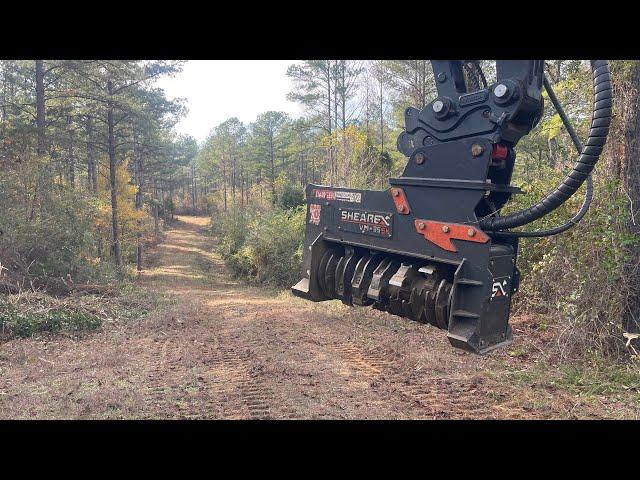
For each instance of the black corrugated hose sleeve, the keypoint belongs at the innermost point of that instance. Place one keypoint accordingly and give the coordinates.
(588, 196)
(600, 120)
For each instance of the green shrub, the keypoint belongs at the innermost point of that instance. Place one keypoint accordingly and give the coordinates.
(292, 196)
(17, 323)
(274, 246)
(231, 230)
(50, 240)
(264, 247)
(576, 279)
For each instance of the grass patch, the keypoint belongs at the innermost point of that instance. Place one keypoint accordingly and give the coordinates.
(23, 324)
(132, 303)
(598, 376)
(517, 352)
(593, 376)
(29, 313)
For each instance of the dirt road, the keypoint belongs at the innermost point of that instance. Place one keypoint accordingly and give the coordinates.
(221, 349)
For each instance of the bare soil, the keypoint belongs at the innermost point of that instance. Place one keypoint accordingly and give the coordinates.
(220, 349)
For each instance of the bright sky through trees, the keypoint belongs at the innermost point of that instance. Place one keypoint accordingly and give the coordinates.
(218, 89)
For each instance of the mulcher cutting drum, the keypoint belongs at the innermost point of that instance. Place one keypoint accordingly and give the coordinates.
(427, 248)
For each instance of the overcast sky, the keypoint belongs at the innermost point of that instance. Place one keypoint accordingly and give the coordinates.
(219, 89)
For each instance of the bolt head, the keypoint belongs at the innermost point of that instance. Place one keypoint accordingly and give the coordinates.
(471, 232)
(445, 229)
(401, 208)
(442, 77)
(396, 193)
(501, 90)
(421, 225)
(477, 149)
(437, 106)
(420, 158)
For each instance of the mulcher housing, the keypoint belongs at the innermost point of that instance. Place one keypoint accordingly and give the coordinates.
(418, 249)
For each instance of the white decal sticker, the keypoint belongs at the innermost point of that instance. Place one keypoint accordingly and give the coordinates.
(354, 197)
(499, 289)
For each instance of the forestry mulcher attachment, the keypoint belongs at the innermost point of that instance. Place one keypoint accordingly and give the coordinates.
(434, 247)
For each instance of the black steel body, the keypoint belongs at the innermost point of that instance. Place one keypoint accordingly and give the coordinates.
(416, 249)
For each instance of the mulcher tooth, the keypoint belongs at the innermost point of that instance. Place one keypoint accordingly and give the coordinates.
(362, 279)
(346, 276)
(379, 286)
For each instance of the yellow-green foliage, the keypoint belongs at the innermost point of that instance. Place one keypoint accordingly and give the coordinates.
(130, 220)
(357, 163)
(57, 234)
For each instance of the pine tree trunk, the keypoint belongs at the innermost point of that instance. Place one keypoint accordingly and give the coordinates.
(156, 220)
(381, 119)
(40, 126)
(224, 183)
(241, 187)
(233, 181)
(171, 187)
(273, 171)
(113, 180)
(193, 187)
(343, 93)
(139, 192)
(330, 148)
(71, 162)
(92, 171)
(630, 173)
(40, 108)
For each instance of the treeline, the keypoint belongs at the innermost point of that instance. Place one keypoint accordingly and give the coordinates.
(353, 114)
(88, 160)
(585, 283)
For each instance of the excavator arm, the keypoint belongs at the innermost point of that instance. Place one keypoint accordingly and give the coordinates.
(433, 247)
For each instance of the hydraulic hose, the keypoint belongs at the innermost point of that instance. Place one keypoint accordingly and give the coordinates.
(600, 121)
(588, 196)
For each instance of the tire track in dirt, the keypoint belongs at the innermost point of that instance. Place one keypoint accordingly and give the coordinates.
(367, 363)
(438, 396)
(223, 383)
(383, 373)
(168, 381)
(245, 381)
(379, 370)
(446, 398)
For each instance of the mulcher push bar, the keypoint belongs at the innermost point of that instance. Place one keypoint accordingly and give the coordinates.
(418, 249)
